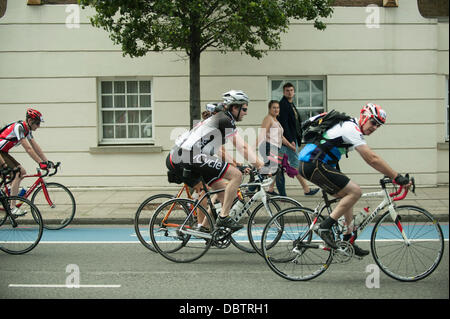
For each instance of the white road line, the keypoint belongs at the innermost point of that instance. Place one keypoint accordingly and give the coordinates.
(61, 286)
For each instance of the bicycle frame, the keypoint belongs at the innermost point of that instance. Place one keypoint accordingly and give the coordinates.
(260, 195)
(388, 201)
(31, 189)
(39, 182)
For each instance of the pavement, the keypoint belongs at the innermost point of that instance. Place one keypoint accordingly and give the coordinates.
(118, 206)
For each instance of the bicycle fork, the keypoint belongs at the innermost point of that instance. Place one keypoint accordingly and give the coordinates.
(396, 219)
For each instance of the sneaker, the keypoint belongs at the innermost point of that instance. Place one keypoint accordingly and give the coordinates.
(312, 192)
(327, 236)
(16, 212)
(273, 193)
(359, 251)
(227, 222)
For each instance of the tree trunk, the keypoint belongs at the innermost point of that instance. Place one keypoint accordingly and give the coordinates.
(194, 86)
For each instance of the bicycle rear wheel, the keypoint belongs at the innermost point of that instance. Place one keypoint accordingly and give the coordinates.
(21, 232)
(260, 216)
(58, 208)
(297, 254)
(407, 261)
(143, 216)
(172, 231)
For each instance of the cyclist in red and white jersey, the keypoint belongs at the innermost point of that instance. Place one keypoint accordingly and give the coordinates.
(20, 133)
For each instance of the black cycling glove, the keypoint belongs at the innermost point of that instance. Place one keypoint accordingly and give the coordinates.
(401, 180)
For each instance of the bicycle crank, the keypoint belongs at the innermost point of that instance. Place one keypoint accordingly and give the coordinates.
(221, 238)
(344, 252)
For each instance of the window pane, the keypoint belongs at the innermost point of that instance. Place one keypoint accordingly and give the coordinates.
(132, 101)
(146, 116)
(133, 117)
(121, 131)
(317, 86)
(277, 90)
(119, 101)
(317, 99)
(145, 101)
(108, 117)
(107, 87)
(107, 101)
(303, 86)
(133, 131)
(120, 117)
(132, 87)
(119, 87)
(303, 99)
(144, 87)
(146, 131)
(108, 131)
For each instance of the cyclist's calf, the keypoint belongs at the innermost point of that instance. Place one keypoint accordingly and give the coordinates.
(349, 195)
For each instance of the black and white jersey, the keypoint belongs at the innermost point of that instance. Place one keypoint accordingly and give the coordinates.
(209, 135)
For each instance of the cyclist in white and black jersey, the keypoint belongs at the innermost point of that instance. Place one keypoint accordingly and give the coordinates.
(318, 165)
(199, 152)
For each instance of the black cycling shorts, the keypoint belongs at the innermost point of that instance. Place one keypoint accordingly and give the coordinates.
(324, 175)
(210, 167)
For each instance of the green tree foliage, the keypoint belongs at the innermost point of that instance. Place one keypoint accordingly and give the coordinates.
(249, 26)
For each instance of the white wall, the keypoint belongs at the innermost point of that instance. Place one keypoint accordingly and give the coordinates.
(401, 65)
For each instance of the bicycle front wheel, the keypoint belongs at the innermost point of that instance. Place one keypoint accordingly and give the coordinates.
(415, 257)
(297, 254)
(173, 233)
(21, 232)
(57, 205)
(143, 216)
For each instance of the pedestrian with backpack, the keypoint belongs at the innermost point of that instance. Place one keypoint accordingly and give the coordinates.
(329, 136)
(292, 131)
(20, 133)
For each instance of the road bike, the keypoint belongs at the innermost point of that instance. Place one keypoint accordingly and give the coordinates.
(55, 201)
(172, 227)
(255, 217)
(406, 242)
(21, 230)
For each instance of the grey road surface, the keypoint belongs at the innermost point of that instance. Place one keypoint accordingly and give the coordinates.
(129, 271)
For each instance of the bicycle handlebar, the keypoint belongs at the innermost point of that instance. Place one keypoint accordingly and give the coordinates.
(47, 171)
(387, 180)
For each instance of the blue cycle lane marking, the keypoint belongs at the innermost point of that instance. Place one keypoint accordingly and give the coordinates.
(128, 235)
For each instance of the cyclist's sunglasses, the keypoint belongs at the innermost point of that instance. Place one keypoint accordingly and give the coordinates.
(375, 123)
(244, 109)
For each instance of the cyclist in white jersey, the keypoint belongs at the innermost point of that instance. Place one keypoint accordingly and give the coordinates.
(196, 151)
(318, 165)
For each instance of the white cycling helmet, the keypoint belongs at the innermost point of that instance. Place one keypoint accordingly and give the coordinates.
(215, 107)
(235, 97)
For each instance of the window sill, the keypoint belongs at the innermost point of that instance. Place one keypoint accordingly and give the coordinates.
(126, 149)
(442, 146)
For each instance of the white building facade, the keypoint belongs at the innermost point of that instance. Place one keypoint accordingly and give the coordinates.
(111, 120)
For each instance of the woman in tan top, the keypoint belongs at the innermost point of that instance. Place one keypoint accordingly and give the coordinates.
(271, 138)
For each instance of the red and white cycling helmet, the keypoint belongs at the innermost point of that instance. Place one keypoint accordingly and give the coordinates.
(372, 111)
(34, 114)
